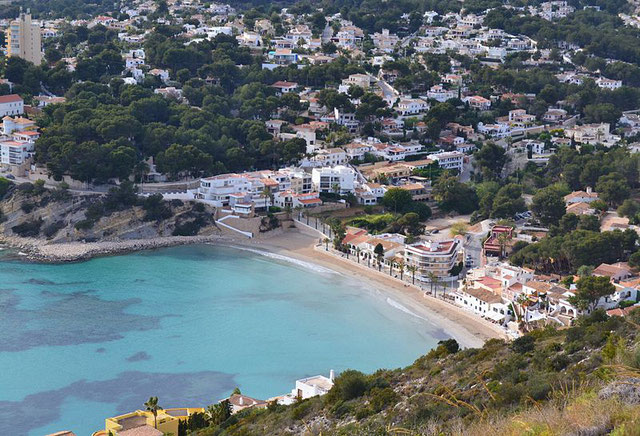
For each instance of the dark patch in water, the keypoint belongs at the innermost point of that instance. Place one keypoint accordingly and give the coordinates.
(137, 357)
(39, 282)
(67, 319)
(129, 390)
(50, 283)
(101, 350)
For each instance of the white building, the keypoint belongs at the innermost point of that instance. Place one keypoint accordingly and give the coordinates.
(450, 160)
(339, 179)
(433, 257)
(10, 125)
(411, 106)
(15, 152)
(11, 104)
(439, 93)
(609, 84)
(385, 41)
(307, 388)
(592, 134)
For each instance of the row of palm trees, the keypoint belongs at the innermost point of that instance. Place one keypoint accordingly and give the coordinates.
(400, 266)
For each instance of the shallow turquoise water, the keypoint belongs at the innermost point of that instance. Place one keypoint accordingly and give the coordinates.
(89, 340)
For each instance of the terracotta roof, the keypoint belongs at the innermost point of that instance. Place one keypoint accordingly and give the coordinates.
(283, 84)
(11, 98)
(622, 312)
(144, 430)
(484, 295)
(607, 270)
(539, 286)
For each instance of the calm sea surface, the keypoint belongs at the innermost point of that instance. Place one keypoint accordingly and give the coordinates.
(84, 341)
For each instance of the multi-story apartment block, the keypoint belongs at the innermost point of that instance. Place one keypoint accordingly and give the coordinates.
(24, 39)
(339, 179)
(432, 257)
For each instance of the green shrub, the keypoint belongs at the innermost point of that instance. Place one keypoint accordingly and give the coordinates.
(381, 398)
(53, 228)
(28, 229)
(348, 385)
(523, 344)
(301, 410)
(187, 228)
(363, 412)
(5, 184)
(95, 211)
(84, 224)
(27, 207)
(156, 208)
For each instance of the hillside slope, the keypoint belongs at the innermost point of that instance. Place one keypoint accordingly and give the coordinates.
(580, 381)
(55, 216)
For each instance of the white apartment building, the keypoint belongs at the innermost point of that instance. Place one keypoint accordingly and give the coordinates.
(15, 152)
(432, 257)
(11, 104)
(330, 157)
(450, 160)
(439, 93)
(10, 125)
(609, 84)
(356, 150)
(592, 134)
(24, 39)
(412, 106)
(339, 179)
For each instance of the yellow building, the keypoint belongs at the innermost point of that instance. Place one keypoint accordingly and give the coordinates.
(24, 39)
(141, 422)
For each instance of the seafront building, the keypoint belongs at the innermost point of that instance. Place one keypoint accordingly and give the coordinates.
(433, 258)
(24, 39)
(307, 388)
(142, 422)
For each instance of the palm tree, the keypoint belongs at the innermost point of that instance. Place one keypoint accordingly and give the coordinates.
(358, 250)
(265, 194)
(502, 240)
(412, 269)
(326, 244)
(153, 407)
(433, 278)
(401, 267)
(391, 267)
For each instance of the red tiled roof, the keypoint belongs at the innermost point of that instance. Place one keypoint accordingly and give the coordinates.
(11, 98)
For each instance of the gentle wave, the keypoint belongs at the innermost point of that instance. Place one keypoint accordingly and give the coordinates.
(393, 303)
(307, 265)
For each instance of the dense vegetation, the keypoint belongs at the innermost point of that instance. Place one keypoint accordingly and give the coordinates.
(548, 381)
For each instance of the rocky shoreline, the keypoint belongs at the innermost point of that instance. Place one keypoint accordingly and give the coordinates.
(37, 250)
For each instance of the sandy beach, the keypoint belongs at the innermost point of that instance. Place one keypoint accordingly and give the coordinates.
(302, 244)
(468, 329)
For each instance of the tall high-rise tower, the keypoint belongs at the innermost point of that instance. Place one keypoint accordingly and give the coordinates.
(24, 39)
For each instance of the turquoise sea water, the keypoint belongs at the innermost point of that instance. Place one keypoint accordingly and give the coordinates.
(84, 341)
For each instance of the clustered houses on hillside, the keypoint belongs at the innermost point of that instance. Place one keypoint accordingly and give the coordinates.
(503, 293)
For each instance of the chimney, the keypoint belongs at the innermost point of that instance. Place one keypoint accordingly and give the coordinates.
(241, 400)
(589, 190)
(332, 375)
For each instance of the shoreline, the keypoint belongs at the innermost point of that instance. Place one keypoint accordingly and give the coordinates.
(469, 330)
(297, 243)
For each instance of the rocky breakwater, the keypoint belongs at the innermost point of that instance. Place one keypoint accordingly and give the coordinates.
(40, 251)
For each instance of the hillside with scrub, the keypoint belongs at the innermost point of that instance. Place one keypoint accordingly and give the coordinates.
(584, 380)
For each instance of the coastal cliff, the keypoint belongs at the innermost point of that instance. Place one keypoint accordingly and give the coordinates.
(58, 225)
